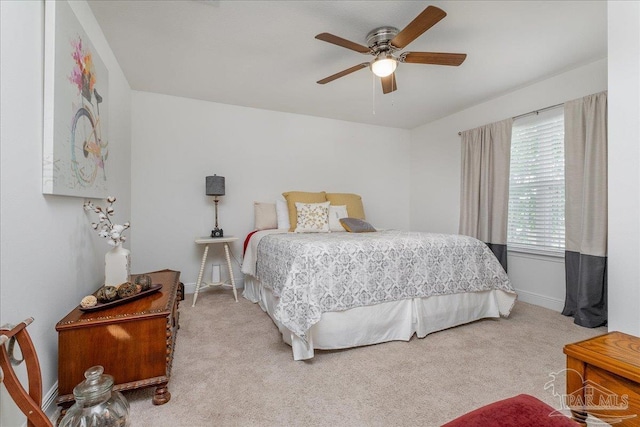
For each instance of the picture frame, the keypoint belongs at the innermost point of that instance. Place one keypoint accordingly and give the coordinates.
(76, 88)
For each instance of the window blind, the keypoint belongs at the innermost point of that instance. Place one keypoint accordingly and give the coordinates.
(536, 183)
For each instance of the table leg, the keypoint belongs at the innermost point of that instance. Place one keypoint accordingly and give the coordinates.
(161, 395)
(233, 281)
(575, 390)
(199, 282)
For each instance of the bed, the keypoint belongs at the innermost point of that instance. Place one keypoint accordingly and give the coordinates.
(340, 290)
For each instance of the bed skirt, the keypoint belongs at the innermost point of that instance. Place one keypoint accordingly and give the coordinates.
(389, 321)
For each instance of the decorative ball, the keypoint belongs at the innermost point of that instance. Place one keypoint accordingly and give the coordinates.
(126, 290)
(144, 281)
(107, 294)
(88, 301)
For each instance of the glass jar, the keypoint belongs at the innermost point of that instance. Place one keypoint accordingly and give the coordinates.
(97, 405)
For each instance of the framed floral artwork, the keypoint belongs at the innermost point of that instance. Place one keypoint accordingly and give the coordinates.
(76, 87)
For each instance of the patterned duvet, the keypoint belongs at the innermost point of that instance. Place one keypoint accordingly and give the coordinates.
(313, 273)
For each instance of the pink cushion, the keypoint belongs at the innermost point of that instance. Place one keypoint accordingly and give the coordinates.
(518, 411)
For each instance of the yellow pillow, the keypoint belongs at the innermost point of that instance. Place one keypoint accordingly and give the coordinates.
(353, 202)
(301, 197)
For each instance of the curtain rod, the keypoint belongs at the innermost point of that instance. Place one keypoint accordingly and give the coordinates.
(532, 112)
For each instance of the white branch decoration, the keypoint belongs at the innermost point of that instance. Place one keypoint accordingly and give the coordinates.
(105, 227)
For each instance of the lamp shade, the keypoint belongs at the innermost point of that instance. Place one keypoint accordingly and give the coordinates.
(215, 185)
(384, 66)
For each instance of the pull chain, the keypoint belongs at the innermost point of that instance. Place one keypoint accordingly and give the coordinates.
(393, 95)
(373, 93)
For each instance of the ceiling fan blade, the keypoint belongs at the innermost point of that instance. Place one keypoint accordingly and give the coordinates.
(343, 73)
(427, 19)
(339, 41)
(435, 58)
(389, 83)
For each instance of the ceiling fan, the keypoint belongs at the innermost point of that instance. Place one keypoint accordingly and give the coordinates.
(384, 42)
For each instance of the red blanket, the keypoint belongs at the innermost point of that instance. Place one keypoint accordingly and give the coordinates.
(246, 241)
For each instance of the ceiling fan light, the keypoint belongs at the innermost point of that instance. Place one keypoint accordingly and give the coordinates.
(383, 67)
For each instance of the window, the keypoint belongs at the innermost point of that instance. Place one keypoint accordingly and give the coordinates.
(536, 183)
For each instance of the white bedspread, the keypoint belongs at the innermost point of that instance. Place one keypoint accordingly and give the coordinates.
(316, 273)
(251, 254)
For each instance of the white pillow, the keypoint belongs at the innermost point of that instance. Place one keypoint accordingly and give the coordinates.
(282, 214)
(312, 217)
(264, 216)
(335, 213)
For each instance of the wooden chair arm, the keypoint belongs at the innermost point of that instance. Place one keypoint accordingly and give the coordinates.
(28, 402)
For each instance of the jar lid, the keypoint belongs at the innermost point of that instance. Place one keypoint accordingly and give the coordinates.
(95, 384)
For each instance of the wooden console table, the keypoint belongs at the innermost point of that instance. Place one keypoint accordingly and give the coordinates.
(134, 342)
(607, 382)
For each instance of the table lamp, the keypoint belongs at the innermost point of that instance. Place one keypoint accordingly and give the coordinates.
(215, 188)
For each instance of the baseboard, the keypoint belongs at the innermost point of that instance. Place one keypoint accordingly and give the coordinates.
(541, 300)
(49, 405)
(190, 288)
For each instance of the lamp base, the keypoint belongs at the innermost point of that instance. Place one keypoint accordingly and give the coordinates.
(217, 232)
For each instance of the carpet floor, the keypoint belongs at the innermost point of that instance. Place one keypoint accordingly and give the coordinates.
(231, 368)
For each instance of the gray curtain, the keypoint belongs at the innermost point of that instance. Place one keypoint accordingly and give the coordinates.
(586, 209)
(484, 195)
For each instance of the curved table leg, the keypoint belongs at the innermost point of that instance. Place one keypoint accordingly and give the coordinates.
(199, 282)
(233, 281)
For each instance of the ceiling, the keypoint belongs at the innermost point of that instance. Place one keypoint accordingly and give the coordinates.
(263, 54)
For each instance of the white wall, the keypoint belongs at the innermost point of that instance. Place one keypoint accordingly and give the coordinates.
(624, 166)
(177, 142)
(435, 171)
(50, 257)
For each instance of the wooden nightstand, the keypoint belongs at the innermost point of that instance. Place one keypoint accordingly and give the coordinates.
(134, 342)
(206, 241)
(606, 381)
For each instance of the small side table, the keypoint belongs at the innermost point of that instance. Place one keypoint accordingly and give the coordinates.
(603, 378)
(206, 241)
